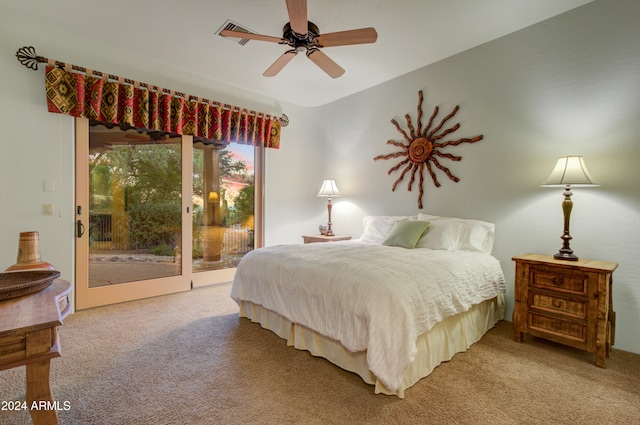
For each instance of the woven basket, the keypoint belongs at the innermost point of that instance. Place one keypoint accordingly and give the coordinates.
(17, 284)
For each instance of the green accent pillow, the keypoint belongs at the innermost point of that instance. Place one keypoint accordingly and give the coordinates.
(406, 234)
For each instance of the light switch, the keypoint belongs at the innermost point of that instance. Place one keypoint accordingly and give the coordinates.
(48, 209)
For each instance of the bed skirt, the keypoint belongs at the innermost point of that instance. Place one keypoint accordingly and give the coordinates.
(453, 335)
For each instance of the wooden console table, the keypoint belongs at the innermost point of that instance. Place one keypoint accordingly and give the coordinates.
(28, 336)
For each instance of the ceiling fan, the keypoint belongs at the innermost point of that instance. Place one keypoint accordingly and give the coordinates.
(304, 36)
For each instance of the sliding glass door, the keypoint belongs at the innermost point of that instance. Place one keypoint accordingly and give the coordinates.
(132, 191)
(157, 213)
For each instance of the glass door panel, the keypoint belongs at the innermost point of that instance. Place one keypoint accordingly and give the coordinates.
(223, 210)
(134, 215)
(134, 208)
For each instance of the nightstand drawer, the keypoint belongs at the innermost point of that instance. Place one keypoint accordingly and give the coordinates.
(543, 277)
(563, 328)
(573, 308)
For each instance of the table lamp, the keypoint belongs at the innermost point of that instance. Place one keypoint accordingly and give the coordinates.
(329, 189)
(569, 171)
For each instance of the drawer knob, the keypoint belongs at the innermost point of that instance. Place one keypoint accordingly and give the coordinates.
(556, 303)
(558, 281)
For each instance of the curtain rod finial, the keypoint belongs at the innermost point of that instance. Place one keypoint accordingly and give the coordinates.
(27, 56)
(284, 120)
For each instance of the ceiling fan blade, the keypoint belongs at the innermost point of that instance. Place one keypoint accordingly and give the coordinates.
(280, 63)
(325, 63)
(344, 38)
(251, 36)
(298, 16)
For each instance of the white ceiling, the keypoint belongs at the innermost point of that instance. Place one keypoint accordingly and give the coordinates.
(411, 34)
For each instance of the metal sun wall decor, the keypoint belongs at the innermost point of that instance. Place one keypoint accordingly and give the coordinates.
(423, 148)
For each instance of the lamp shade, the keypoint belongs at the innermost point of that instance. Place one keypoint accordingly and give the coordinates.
(570, 170)
(329, 188)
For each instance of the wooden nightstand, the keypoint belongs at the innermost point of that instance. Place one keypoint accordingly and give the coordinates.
(323, 238)
(569, 302)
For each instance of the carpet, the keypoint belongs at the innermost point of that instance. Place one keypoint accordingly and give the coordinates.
(187, 358)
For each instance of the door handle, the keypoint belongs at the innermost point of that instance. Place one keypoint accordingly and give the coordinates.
(79, 229)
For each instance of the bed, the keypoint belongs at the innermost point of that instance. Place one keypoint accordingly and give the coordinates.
(390, 306)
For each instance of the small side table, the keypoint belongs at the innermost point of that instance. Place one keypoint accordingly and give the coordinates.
(28, 336)
(323, 238)
(569, 302)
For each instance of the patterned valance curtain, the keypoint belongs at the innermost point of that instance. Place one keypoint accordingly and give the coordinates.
(117, 102)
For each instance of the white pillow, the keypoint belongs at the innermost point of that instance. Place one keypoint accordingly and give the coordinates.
(476, 235)
(442, 234)
(378, 227)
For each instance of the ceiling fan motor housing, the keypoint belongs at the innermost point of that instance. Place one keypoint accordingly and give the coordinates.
(300, 41)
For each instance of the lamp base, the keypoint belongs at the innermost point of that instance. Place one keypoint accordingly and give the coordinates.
(564, 255)
(329, 231)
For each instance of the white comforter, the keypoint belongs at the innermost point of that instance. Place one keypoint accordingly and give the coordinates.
(368, 297)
